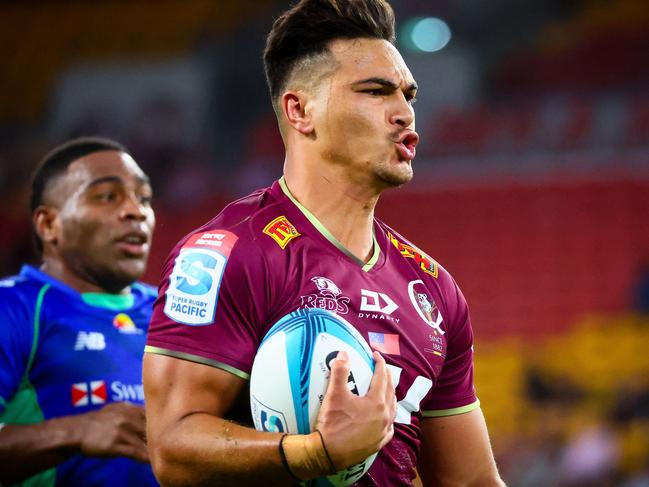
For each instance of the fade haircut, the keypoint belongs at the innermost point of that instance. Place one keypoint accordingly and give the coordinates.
(56, 162)
(300, 37)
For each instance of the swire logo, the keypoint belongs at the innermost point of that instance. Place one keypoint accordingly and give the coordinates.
(96, 392)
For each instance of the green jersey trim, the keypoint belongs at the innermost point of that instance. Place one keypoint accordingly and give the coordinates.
(451, 412)
(198, 359)
(376, 250)
(37, 326)
(115, 302)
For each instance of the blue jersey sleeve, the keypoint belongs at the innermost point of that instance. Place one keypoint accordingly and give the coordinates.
(16, 339)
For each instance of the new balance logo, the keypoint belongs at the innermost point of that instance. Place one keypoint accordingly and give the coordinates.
(90, 340)
(377, 302)
(84, 393)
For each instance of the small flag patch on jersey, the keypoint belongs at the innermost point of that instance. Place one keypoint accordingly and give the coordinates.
(281, 231)
(385, 342)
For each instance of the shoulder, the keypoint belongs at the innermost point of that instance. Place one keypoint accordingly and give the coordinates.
(143, 292)
(21, 299)
(19, 295)
(432, 274)
(416, 257)
(245, 230)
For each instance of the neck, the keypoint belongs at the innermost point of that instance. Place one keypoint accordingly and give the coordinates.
(343, 206)
(57, 269)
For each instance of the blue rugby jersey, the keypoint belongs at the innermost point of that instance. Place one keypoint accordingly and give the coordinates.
(64, 353)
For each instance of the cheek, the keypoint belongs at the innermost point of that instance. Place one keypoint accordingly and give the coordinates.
(354, 126)
(80, 232)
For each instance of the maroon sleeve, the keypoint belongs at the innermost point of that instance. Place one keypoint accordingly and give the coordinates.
(211, 301)
(454, 391)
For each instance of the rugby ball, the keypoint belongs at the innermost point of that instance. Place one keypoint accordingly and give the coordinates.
(290, 374)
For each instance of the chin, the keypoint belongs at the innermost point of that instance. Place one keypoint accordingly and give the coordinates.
(396, 176)
(130, 271)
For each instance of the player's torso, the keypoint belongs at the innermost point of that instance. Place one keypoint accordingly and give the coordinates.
(396, 310)
(87, 355)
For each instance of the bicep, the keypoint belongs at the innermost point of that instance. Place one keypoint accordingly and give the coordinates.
(176, 388)
(456, 451)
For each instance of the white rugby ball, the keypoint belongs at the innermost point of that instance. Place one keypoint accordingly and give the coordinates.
(290, 374)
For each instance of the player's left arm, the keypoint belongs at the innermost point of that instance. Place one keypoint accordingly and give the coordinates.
(455, 443)
(456, 452)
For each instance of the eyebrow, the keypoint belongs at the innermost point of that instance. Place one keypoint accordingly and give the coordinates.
(116, 179)
(385, 82)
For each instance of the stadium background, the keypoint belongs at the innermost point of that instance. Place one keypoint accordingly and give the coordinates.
(531, 187)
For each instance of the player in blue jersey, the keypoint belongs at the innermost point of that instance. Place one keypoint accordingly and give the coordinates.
(72, 332)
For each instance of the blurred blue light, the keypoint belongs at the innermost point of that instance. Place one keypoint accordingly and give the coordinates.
(430, 34)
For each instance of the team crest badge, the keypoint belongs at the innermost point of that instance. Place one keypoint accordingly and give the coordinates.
(424, 305)
(329, 296)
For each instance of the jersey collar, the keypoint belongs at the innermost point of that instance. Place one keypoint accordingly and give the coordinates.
(115, 302)
(376, 249)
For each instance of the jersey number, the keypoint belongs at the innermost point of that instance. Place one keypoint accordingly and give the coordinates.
(410, 403)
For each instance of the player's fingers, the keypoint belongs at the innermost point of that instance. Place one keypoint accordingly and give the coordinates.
(132, 446)
(339, 374)
(379, 379)
(390, 392)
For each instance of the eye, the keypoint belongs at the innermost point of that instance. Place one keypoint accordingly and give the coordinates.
(106, 196)
(411, 98)
(374, 91)
(146, 200)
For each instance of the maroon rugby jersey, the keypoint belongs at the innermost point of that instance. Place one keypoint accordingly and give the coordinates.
(265, 256)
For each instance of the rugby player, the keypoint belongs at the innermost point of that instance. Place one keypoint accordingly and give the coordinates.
(344, 100)
(73, 330)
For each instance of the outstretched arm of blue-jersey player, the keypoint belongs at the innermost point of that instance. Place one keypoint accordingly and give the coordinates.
(115, 430)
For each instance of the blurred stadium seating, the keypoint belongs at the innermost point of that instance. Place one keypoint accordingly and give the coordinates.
(532, 189)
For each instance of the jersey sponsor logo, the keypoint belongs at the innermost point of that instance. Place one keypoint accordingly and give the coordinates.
(425, 306)
(124, 324)
(126, 392)
(425, 263)
(85, 393)
(281, 231)
(89, 340)
(329, 297)
(194, 283)
(377, 306)
(377, 302)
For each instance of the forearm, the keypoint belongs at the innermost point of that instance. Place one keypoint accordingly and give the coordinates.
(26, 450)
(202, 449)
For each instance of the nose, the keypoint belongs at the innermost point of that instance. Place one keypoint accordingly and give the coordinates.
(133, 208)
(403, 113)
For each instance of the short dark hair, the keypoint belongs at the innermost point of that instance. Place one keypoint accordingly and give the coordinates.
(307, 28)
(57, 161)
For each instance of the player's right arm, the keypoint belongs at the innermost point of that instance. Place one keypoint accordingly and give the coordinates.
(190, 442)
(115, 430)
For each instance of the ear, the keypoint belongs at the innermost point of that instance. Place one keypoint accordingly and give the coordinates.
(45, 220)
(296, 112)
